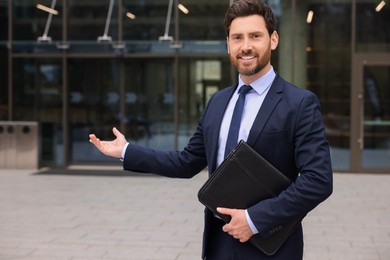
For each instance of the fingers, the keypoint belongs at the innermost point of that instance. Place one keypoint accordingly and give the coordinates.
(100, 145)
(240, 234)
(226, 228)
(225, 211)
(238, 226)
(112, 148)
(93, 139)
(96, 141)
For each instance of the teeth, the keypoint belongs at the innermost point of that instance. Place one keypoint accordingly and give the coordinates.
(247, 57)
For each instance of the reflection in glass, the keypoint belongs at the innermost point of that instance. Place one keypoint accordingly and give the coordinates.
(150, 20)
(4, 88)
(87, 20)
(29, 22)
(203, 22)
(37, 96)
(149, 102)
(376, 125)
(198, 80)
(328, 69)
(93, 105)
(372, 27)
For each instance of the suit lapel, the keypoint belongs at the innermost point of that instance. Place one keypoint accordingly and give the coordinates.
(271, 100)
(218, 111)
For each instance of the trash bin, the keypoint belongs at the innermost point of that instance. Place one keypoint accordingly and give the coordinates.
(7, 144)
(18, 145)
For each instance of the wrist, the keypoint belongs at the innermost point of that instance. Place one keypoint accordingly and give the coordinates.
(122, 157)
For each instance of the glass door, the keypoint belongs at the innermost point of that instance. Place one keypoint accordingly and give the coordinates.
(372, 111)
(37, 96)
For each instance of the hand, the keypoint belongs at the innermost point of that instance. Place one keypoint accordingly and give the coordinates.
(110, 148)
(238, 226)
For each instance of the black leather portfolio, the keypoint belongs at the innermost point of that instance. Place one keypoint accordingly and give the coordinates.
(243, 179)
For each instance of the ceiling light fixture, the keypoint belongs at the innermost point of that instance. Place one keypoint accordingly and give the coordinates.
(379, 7)
(310, 15)
(47, 9)
(183, 8)
(51, 11)
(130, 15)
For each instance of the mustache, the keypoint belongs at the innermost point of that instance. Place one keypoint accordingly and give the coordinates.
(246, 53)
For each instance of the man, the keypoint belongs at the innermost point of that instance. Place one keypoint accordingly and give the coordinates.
(280, 121)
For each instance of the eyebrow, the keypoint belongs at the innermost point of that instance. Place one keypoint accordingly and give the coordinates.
(251, 33)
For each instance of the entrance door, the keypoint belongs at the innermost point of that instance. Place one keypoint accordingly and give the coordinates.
(370, 140)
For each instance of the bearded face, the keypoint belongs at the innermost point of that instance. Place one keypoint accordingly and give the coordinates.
(250, 46)
(249, 63)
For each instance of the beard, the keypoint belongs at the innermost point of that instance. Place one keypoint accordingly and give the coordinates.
(250, 71)
(259, 65)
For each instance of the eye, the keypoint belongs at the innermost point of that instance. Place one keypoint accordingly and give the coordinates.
(236, 37)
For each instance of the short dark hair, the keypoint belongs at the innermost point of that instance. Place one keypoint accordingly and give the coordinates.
(242, 8)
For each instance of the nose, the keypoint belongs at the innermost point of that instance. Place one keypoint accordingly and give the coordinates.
(246, 45)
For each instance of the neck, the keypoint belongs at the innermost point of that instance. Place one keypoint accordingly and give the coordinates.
(249, 79)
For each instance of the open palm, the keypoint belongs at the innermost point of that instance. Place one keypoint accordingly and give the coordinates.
(110, 148)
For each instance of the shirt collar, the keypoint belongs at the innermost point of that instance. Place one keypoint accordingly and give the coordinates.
(260, 84)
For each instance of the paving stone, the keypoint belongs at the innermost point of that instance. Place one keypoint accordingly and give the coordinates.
(67, 217)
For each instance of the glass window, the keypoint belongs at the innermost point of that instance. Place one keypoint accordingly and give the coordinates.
(93, 105)
(3, 22)
(87, 20)
(149, 102)
(282, 58)
(149, 20)
(376, 125)
(204, 20)
(198, 80)
(3, 82)
(198, 20)
(329, 69)
(37, 96)
(31, 22)
(372, 26)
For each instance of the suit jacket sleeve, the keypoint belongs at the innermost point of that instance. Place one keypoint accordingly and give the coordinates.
(176, 164)
(310, 154)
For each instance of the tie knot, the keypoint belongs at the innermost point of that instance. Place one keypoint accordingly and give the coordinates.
(245, 89)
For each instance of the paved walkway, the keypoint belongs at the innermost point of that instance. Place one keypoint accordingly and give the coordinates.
(67, 217)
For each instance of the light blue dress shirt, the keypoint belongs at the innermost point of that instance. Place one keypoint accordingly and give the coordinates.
(253, 101)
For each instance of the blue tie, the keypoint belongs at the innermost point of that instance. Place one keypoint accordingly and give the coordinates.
(232, 137)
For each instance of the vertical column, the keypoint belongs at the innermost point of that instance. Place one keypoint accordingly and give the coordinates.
(293, 42)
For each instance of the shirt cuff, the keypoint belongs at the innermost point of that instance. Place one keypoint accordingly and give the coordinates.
(250, 222)
(124, 151)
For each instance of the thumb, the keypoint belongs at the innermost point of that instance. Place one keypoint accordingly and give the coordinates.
(116, 132)
(225, 211)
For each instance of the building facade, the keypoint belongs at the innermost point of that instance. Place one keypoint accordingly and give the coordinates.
(148, 67)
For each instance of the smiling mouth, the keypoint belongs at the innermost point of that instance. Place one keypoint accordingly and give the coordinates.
(247, 57)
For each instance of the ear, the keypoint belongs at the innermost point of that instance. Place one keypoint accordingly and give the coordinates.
(274, 40)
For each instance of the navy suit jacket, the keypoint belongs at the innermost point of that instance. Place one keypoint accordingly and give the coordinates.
(288, 131)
